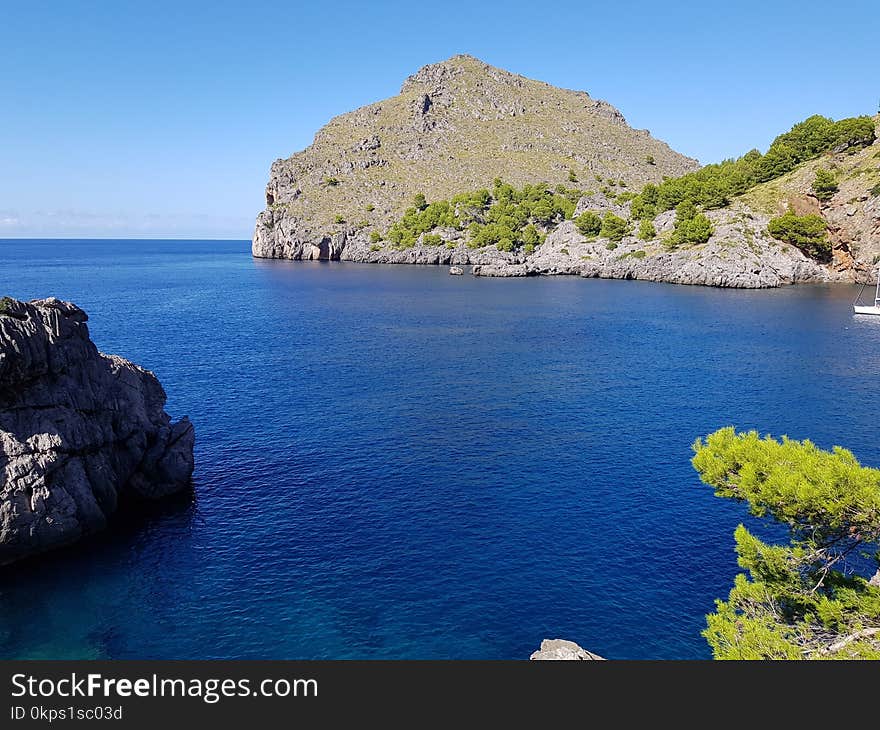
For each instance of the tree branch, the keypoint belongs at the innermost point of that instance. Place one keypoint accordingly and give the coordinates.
(846, 640)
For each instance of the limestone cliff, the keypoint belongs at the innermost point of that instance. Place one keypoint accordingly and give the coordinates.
(80, 431)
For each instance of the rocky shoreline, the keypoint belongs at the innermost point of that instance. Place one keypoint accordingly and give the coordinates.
(80, 431)
(740, 254)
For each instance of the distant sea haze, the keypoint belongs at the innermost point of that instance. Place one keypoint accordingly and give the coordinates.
(392, 462)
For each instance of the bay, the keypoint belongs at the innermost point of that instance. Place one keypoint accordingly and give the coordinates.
(395, 463)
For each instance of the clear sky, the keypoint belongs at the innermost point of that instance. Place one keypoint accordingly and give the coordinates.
(160, 119)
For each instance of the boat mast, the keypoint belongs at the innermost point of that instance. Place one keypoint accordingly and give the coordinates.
(877, 291)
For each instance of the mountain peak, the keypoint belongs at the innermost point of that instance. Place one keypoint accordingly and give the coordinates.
(440, 73)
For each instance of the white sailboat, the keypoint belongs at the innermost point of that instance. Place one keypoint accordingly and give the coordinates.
(874, 308)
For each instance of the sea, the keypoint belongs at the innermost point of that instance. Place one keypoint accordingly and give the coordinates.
(395, 463)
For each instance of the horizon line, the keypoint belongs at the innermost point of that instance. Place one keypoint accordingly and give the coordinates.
(115, 238)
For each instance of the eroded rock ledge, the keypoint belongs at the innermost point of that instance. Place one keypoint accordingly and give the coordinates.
(80, 431)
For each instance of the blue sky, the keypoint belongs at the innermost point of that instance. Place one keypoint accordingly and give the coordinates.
(160, 119)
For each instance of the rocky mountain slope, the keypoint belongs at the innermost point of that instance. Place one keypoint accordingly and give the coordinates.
(852, 212)
(455, 126)
(740, 252)
(474, 165)
(80, 431)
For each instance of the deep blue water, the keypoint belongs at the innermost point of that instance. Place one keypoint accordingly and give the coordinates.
(397, 463)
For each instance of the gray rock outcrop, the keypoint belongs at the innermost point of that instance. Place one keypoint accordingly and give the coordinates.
(740, 254)
(562, 650)
(80, 431)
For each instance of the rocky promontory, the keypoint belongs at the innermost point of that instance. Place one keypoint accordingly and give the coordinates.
(473, 165)
(80, 432)
(456, 125)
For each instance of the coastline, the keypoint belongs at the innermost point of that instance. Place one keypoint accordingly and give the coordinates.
(731, 260)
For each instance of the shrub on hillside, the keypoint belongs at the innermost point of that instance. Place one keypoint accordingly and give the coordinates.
(613, 228)
(644, 205)
(824, 185)
(807, 232)
(588, 223)
(694, 230)
(530, 236)
(852, 133)
(647, 232)
(685, 211)
(691, 227)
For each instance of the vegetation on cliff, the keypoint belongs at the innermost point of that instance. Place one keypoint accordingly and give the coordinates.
(614, 228)
(807, 232)
(714, 186)
(505, 217)
(690, 226)
(814, 597)
(824, 185)
(512, 219)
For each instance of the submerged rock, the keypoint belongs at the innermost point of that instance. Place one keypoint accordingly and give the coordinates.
(560, 649)
(80, 431)
(456, 271)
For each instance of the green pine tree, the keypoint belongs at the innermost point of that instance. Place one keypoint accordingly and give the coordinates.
(810, 598)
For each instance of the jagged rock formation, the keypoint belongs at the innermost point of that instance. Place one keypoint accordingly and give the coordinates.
(80, 431)
(455, 126)
(560, 649)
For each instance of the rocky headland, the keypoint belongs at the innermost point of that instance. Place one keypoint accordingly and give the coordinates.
(462, 126)
(80, 432)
